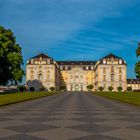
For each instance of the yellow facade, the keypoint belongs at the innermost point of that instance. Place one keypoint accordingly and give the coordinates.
(77, 75)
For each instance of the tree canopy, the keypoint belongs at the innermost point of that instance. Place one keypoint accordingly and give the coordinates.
(11, 59)
(137, 66)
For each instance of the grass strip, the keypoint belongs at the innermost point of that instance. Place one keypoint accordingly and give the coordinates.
(10, 98)
(128, 97)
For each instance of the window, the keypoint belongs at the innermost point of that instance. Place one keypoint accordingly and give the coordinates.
(104, 70)
(76, 76)
(120, 78)
(112, 60)
(112, 77)
(40, 69)
(40, 77)
(32, 61)
(86, 67)
(112, 69)
(104, 77)
(120, 61)
(120, 70)
(104, 61)
(48, 61)
(31, 69)
(32, 77)
(48, 77)
(66, 67)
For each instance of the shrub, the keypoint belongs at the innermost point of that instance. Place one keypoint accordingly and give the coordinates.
(63, 87)
(52, 88)
(42, 88)
(90, 87)
(32, 89)
(101, 88)
(120, 88)
(21, 88)
(129, 88)
(110, 88)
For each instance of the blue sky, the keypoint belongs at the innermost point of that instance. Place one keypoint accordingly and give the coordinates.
(75, 29)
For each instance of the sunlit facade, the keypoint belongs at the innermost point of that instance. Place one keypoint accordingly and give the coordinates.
(43, 70)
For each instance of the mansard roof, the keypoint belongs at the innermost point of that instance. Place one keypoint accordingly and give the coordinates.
(76, 62)
(133, 81)
(111, 55)
(41, 55)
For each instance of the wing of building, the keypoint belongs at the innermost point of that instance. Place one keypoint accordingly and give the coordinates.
(43, 70)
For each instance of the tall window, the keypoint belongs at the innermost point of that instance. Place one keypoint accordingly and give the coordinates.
(40, 77)
(48, 77)
(32, 77)
(120, 70)
(40, 68)
(104, 70)
(71, 87)
(112, 77)
(120, 78)
(104, 77)
(112, 69)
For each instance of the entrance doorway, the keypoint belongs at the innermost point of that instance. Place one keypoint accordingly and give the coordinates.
(76, 88)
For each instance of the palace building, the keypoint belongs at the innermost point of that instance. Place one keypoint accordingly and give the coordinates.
(43, 70)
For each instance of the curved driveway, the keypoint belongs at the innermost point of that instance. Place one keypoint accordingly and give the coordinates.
(70, 116)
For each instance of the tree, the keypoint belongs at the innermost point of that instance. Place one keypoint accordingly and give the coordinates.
(52, 88)
(137, 65)
(120, 88)
(11, 58)
(110, 88)
(101, 88)
(90, 87)
(129, 88)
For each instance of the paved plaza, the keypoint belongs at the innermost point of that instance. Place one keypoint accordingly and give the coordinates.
(70, 116)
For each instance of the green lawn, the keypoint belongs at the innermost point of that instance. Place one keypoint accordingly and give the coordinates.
(129, 97)
(10, 98)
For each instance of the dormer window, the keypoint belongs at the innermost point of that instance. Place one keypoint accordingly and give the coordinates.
(66, 67)
(32, 61)
(48, 61)
(112, 60)
(61, 67)
(86, 67)
(104, 61)
(120, 61)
